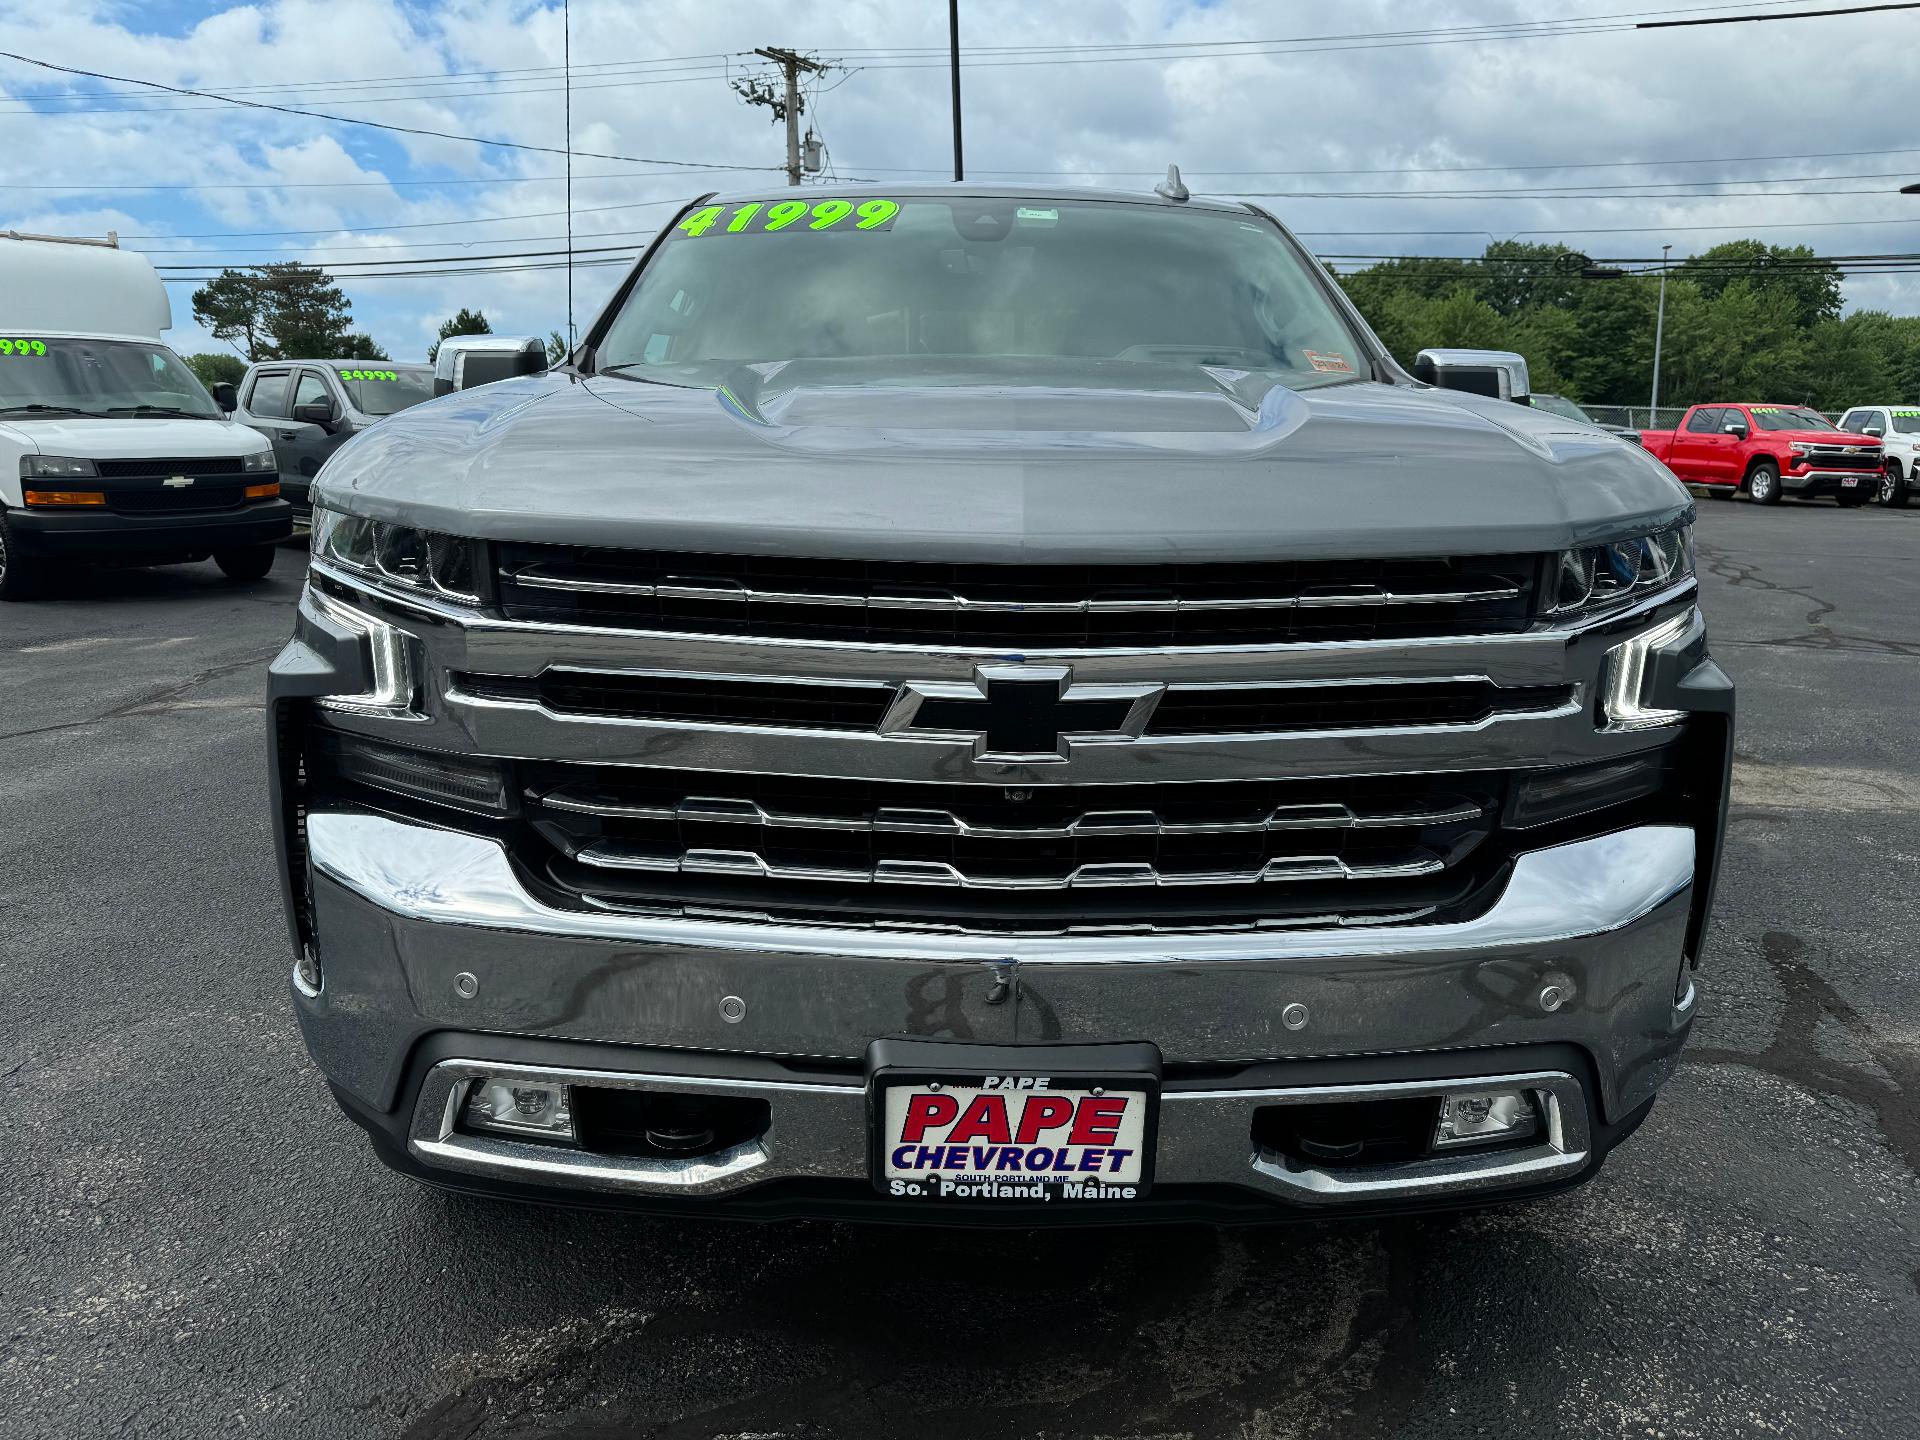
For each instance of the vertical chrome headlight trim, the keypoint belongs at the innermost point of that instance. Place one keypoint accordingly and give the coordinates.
(1626, 675)
(390, 657)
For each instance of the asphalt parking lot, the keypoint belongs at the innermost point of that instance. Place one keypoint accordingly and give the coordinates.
(197, 1244)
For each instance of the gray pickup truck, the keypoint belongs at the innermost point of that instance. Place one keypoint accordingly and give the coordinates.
(310, 408)
(983, 705)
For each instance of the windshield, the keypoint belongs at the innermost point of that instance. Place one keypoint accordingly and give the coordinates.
(1907, 422)
(385, 391)
(976, 278)
(1788, 417)
(1561, 406)
(50, 375)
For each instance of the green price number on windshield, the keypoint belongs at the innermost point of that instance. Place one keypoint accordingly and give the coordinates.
(757, 217)
(369, 375)
(23, 347)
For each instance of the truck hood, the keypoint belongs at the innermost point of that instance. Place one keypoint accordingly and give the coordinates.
(131, 439)
(1097, 461)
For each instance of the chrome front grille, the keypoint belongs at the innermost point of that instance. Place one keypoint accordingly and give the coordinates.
(1246, 708)
(1844, 457)
(1078, 606)
(1017, 858)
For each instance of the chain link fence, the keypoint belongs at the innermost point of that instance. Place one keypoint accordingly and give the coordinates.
(1667, 417)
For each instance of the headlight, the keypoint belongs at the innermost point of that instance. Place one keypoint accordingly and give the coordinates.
(54, 467)
(260, 463)
(1799, 447)
(1599, 577)
(422, 560)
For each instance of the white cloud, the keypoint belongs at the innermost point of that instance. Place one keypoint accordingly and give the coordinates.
(1713, 91)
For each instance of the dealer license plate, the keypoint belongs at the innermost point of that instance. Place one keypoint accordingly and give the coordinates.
(1014, 1138)
(1848, 482)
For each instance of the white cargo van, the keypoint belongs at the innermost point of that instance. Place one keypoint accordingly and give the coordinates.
(110, 447)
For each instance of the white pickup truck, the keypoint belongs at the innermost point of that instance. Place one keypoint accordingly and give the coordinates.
(110, 447)
(1898, 430)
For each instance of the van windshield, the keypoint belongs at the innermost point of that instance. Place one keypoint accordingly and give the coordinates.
(976, 278)
(49, 375)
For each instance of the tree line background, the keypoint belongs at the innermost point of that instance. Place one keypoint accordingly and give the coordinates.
(292, 311)
(1745, 321)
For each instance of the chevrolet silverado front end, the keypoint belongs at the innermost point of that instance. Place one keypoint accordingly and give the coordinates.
(978, 706)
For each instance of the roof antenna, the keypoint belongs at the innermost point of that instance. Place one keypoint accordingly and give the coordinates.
(1171, 188)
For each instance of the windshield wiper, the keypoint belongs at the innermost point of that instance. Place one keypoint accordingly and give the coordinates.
(157, 410)
(621, 370)
(39, 409)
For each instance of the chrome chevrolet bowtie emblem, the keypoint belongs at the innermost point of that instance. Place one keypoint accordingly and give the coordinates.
(177, 482)
(1020, 713)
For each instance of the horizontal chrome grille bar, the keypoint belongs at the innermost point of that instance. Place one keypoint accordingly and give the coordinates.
(902, 821)
(727, 591)
(613, 855)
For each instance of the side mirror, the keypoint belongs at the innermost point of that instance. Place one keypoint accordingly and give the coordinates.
(1735, 429)
(1878, 432)
(225, 396)
(1500, 374)
(316, 412)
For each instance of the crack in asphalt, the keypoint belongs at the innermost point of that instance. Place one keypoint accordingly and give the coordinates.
(1792, 1055)
(1742, 575)
(160, 699)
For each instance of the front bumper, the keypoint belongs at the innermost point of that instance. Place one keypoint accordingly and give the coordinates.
(82, 534)
(425, 951)
(1816, 484)
(434, 958)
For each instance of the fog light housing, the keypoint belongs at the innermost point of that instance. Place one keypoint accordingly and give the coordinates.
(1545, 796)
(512, 1106)
(1473, 1117)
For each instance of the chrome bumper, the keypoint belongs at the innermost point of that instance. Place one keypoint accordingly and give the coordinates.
(420, 930)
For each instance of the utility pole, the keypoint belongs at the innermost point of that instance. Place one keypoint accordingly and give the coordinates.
(791, 64)
(953, 64)
(1659, 326)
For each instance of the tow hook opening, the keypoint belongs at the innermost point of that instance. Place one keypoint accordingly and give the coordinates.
(663, 1124)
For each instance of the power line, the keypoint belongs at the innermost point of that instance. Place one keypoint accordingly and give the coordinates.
(376, 124)
(279, 184)
(1787, 15)
(874, 53)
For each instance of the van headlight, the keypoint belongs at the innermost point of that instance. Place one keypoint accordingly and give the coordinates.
(1597, 578)
(443, 566)
(261, 462)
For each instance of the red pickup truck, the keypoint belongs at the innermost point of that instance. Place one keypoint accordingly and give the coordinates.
(1768, 450)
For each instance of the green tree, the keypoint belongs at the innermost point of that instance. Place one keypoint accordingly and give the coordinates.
(556, 347)
(309, 315)
(211, 366)
(285, 311)
(1793, 270)
(233, 305)
(465, 322)
(360, 347)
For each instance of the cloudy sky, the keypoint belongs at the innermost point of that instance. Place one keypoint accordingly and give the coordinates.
(1387, 128)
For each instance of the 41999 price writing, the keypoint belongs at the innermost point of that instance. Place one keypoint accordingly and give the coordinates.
(23, 347)
(757, 217)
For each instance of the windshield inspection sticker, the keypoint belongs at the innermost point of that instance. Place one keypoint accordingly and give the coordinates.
(23, 347)
(1328, 363)
(369, 374)
(757, 217)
